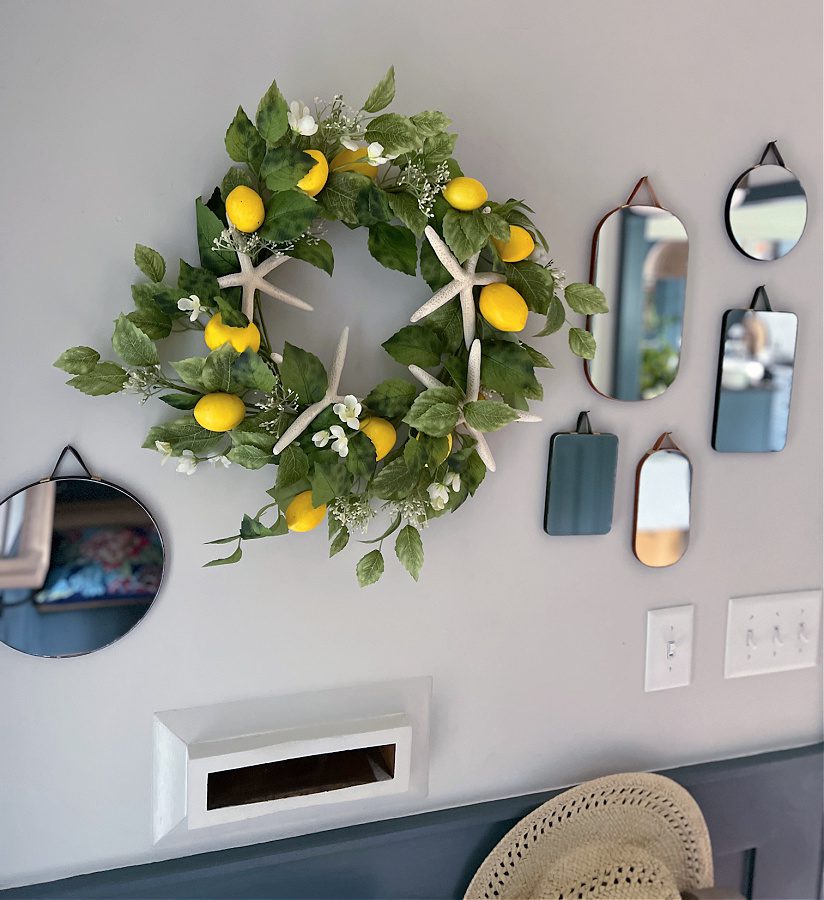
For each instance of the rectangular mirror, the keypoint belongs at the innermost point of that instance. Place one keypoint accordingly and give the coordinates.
(755, 379)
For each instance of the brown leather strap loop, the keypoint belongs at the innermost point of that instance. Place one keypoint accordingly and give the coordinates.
(665, 438)
(644, 182)
(772, 147)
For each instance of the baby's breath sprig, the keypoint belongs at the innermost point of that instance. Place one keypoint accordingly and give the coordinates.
(353, 511)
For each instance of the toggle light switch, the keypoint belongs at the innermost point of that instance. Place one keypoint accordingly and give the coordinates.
(669, 647)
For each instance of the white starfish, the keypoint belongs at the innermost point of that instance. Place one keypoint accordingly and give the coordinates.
(473, 387)
(464, 279)
(305, 419)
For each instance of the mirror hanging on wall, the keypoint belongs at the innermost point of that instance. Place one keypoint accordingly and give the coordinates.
(755, 378)
(663, 484)
(81, 561)
(640, 257)
(766, 209)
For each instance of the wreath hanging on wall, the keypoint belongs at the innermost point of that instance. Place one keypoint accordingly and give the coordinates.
(412, 450)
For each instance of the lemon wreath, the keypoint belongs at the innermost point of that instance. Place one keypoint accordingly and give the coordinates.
(412, 450)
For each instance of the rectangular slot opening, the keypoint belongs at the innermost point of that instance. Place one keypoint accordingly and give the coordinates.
(300, 776)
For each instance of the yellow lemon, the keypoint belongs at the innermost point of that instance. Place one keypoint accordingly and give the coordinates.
(343, 162)
(465, 193)
(381, 433)
(245, 209)
(518, 247)
(448, 447)
(216, 334)
(313, 181)
(503, 307)
(301, 515)
(219, 411)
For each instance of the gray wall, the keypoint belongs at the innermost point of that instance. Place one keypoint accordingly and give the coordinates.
(113, 119)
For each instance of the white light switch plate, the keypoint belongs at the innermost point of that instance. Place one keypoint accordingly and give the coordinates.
(772, 633)
(669, 647)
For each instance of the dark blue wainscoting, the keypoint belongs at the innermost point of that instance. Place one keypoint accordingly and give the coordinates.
(764, 814)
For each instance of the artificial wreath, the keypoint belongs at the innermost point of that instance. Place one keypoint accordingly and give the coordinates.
(413, 450)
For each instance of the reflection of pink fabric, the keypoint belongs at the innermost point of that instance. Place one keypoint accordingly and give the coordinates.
(111, 548)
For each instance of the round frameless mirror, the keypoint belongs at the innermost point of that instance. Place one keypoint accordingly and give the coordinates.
(766, 210)
(639, 260)
(81, 562)
(662, 505)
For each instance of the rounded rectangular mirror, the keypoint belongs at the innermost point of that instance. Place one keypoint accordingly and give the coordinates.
(639, 260)
(662, 505)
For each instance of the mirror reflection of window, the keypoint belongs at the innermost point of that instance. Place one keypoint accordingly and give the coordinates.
(662, 523)
(641, 266)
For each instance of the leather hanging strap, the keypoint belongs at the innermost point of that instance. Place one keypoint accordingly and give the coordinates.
(665, 442)
(644, 183)
(761, 294)
(772, 148)
(69, 449)
(583, 426)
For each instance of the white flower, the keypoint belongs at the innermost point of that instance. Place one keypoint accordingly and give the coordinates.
(374, 154)
(187, 463)
(453, 480)
(300, 120)
(223, 460)
(321, 438)
(349, 143)
(438, 495)
(341, 443)
(191, 305)
(165, 448)
(348, 411)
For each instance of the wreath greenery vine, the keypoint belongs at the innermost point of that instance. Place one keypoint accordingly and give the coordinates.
(408, 453)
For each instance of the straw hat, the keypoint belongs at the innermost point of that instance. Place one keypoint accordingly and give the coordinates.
(634, 836)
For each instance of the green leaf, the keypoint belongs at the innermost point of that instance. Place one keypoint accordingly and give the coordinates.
(303, 373)
(507, 368)
(284, 495)
(247, 434)
(369, 568)
(409, 550)
(191, 371)
(414, 345)
(435, 411)
(432, 269)
(132, 345)
(393, 526)
(250, 372)
(340, 540)
(230, 315)
(430, 122)
(253, 528)
(217, 374)
(181, 401)
(235, 177)
(555, 318)
(585, 299)
(447, 321)
(151, 320)
(538, 358)
(288, 215)
(382, 94)
(395, 133)
(249, 456)
(391, 399)
(394, 247)
(243, 142)
(271, 118)
(465, 232)
(183, 434)
(361, 460)
(200, 282)
(339, 198)
(283, 167)
(317, 253)
(488, 415)
(150, 262)
(372, 205)
(226, 561)
(293, 465)
(209, 227)
(329, 479)
(77, 360)
(582, 343)
(163, 297)
(437, 149)
(474, 472)
(533, 282)
(405, 206)
(393, 482)
(104, 378)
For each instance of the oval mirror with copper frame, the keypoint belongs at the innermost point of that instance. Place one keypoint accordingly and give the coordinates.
(661, 528)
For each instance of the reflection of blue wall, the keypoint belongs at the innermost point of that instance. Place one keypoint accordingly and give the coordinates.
(66, 631)
(670, 294)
